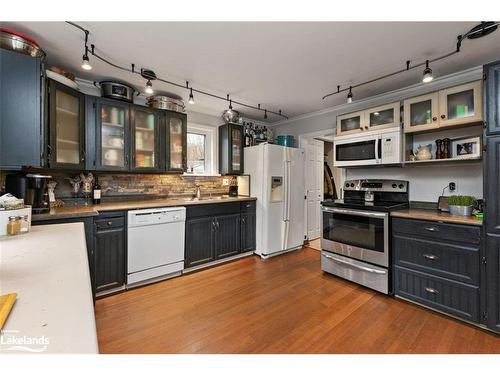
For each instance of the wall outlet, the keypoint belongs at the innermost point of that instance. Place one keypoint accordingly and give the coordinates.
(452, 186)
(225, 182)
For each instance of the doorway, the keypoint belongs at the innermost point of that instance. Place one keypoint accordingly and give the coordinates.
(322, 180)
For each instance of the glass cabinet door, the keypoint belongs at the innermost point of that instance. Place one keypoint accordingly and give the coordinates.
(351, 123)
(113, 121)
(66, 126)
(420, 113)
(176, 128)
(384, 117)
(236, 149)
(145, 130)
(461, 104)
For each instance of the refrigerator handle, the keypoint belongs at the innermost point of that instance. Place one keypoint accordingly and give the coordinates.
(285, 191)
(288, 190)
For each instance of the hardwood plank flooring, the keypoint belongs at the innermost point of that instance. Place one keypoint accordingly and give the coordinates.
(280, 305)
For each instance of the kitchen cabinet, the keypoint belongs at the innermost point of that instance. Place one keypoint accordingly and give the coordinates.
(421, 113)
(110, 252)
(227, 235)
(230, 149)
(438, 265)
(145, 140)
(218, 231)
(381, 117)
(351, 123)
(66, 146)
(458, 105)
(175, 142)
(492, 97)
(461, 104)
(493, 281)
(21, 111)
(491, 176)
(199, 246)
(112, 135)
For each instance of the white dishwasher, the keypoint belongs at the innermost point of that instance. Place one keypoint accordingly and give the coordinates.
(155, 244)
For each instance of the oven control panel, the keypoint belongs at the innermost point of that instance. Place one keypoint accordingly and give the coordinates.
(398, 186)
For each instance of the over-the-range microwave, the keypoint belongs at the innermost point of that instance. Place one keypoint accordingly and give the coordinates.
(378, 147)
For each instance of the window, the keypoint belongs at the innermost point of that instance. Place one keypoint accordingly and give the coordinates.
(201, 150)
(196, 153)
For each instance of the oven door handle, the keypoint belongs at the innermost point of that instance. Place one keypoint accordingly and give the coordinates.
(363, 268)
(355, 213)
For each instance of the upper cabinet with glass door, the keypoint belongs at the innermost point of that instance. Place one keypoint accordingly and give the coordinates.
(66, 127)
(145, 139)
(385, 116)
(421, 113)
(176, 141)
(459, 105)
(112, 135)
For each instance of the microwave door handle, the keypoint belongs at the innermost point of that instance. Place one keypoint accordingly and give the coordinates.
(377, 153)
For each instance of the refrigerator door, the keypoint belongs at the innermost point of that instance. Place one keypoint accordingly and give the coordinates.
(294, 234)
(273, 203)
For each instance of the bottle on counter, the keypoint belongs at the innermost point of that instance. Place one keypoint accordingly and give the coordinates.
(96, 192)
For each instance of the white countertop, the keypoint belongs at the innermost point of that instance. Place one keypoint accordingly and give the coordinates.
(54, 312)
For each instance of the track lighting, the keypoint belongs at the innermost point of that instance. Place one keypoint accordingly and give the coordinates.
(191, 97)
(265, 114)
(85, 62)
(149, 87)
(349, 96)
(230, 104)
(427, 73)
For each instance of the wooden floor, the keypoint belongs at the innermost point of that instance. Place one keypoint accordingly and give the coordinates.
(281, 305)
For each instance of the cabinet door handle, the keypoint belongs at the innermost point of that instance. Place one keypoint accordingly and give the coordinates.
(243, 220)
(110, 223)
(430, 256)
(431, 290)
(217, 224)
(431, 229)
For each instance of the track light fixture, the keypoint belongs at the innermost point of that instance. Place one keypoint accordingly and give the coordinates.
(265, 114)
(349, 96)
(427, 73)
(85, 58)
(150, 76)
(149, 88)
(191, 97)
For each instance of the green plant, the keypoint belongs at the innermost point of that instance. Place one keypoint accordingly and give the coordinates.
(461, 200)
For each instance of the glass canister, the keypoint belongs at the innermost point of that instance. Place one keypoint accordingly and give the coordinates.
(14, 225)
(25, 224)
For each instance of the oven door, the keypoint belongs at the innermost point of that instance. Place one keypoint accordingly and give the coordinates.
(355, 151)
(358, 234)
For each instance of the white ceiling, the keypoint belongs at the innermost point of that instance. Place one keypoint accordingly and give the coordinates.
(287, 65)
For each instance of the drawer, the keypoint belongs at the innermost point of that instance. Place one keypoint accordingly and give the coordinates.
(247, 206)
(110, 222)
(437, 230)
(212, 209)
(460, 263)
(454, 298)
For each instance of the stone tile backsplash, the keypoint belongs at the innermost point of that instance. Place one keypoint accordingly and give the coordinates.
(122, 185)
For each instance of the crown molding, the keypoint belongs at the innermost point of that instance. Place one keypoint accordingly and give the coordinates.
(449, 80)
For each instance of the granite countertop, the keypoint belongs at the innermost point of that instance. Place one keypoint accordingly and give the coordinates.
(70, 211)
(435, 215)
(48, 269)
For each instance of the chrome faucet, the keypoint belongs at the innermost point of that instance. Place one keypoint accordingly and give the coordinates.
(198, 192)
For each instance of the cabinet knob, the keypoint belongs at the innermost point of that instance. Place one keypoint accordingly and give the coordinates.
(443, 116)
(434, 118)
(110, 223)
(431, 290)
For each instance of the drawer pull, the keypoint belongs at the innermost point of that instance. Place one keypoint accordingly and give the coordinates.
(110, 223)
(430, 257)
(431, 290)
(431, 229)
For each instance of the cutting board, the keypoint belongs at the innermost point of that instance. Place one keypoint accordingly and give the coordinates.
(6, 303)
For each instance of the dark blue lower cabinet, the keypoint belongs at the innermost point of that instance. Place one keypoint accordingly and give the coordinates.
(199, 241)
(455, 298)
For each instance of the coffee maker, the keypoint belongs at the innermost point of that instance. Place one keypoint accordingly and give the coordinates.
(32, 188)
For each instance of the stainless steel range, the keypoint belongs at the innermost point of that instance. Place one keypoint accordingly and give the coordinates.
(356, 231)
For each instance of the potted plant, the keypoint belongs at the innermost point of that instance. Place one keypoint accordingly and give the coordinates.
(461, 204)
